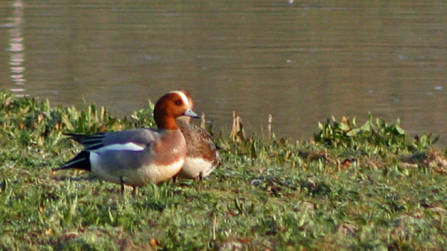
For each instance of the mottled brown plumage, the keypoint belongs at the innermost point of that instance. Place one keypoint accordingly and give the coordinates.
(202, 155)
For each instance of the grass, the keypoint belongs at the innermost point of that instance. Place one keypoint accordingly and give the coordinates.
(269, 194)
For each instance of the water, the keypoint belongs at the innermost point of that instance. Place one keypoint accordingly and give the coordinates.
(301, 61)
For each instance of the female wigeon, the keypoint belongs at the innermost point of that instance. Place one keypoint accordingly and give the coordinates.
(202, 156)
(140, 156)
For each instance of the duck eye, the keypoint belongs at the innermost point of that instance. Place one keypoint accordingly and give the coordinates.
(178, 102)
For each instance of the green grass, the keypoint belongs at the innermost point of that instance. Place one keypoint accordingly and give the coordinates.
(269, 194)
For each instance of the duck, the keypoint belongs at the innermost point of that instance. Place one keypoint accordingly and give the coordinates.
(138, 157)
(202, 155)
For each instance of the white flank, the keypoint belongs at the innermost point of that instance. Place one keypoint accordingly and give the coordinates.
(194, 166)
(120, 147)
(176, 165)
(183, 96)
(94, 161)
(101, 171)
(160, 173)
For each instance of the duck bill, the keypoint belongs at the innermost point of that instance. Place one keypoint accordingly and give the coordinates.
(191, 114)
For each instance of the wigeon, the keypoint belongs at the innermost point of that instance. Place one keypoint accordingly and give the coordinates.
(202, 155)
(140, 156)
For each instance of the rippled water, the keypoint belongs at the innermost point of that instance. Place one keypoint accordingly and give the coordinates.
(301, 62)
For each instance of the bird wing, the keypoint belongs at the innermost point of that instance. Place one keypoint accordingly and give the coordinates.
(139, 137)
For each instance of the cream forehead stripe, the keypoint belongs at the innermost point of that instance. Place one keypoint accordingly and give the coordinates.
(183, 96)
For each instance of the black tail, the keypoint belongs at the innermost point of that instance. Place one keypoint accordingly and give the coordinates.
(76, 137)
(80, 161)
(90, 142)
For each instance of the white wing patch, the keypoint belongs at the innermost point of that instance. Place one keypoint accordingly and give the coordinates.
(120, 147)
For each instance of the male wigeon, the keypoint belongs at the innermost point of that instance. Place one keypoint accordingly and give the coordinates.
(202, 156)
(140, 156)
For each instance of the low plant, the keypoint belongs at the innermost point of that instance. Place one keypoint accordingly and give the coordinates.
(352, 187)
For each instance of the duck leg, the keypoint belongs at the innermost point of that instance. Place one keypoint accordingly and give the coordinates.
(122, 185)
(200, 181)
